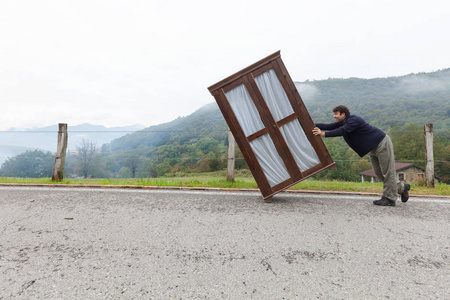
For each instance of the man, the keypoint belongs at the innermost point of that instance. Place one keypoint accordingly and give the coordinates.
(364, 138)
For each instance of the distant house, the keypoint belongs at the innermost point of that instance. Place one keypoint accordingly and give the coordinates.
(405, 172)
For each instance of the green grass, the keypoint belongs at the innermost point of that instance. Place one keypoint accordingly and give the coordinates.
(243, 180)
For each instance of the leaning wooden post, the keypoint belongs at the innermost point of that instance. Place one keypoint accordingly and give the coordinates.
(429, 160)
(58, 168)
(231, 157)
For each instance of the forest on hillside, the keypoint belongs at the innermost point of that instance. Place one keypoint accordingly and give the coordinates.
(384, 102)
(198, 143)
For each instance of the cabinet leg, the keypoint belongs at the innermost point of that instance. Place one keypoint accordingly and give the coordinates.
(268, 200)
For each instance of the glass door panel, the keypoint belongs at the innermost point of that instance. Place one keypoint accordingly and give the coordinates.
(302, 150)
(270, 160)
(245, 110)
(274, 95)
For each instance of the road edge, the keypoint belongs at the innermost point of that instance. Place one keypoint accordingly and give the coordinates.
(147, 187)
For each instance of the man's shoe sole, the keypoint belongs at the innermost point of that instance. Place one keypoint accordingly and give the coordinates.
(384, 203)
(405, 194)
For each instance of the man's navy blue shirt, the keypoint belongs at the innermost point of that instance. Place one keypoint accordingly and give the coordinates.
(359, 135)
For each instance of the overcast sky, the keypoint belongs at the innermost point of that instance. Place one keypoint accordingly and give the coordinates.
(117, 63)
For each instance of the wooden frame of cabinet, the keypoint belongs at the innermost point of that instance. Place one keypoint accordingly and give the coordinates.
(247, 77)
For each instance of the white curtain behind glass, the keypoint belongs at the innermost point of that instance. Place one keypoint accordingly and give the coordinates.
(274, 94)
(270, 160)
(244, 109)
(280, 107)
(300, 147)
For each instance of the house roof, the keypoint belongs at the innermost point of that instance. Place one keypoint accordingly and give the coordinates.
(398, 167)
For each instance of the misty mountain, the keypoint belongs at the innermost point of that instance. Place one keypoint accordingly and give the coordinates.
(385, 102)
(205, 122)
(198, 142)
(14, 142)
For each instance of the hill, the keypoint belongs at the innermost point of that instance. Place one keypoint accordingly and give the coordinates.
(205, 122)
(385, 102)
(198, 141)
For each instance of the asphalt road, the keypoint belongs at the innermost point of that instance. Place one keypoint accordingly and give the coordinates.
(79, 243)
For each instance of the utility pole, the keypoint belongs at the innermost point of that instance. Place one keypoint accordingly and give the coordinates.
(58, 168)
(429, 160)
(231, 157)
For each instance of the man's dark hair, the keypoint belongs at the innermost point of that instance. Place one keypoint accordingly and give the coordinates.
(342, 109)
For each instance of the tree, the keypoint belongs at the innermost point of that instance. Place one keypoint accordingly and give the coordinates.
(409, 144)
(35, 164)
(86, 153)
(214, 160)
(132, 163)
(207, 145)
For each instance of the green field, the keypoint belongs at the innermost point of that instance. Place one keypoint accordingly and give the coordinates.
(243, 180)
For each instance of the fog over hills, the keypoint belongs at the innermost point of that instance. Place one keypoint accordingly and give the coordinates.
(420, 99)
(15, 141)
(385, 102)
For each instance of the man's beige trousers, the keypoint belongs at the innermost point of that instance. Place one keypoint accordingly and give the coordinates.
(383, 163)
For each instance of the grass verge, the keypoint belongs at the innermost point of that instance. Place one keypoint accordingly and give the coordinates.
(242, 181)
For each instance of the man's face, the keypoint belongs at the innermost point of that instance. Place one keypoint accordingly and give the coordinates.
(338, 117)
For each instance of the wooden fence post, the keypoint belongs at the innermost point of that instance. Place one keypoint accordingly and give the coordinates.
(58, 168)
(429, 159)
(231, 157)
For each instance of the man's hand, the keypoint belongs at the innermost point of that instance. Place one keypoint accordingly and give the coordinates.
(317, 131)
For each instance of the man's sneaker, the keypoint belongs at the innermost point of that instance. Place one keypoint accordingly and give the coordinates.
(405, 194)
(384, 202)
